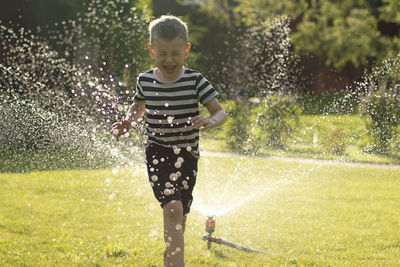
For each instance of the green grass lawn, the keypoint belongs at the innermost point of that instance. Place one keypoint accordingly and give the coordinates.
(301, 212)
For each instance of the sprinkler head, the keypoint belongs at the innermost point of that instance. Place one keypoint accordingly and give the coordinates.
(210, 224)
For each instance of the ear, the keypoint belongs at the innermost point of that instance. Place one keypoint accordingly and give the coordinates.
(187, 51)
(151, 50)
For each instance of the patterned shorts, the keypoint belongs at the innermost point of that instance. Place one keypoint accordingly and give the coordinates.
(172, 174)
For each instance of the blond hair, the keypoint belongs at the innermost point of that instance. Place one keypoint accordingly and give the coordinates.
(168, 27)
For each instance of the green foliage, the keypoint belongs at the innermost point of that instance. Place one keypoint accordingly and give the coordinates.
(269, 125)
(55, 11)
(269, 64)
(339, 36)
(209, 54)
(335, 141)
(327, 103)
(380, 105)
(239, 123)
(382, 112)
(277, 117)
(261, 61)
(390, 11)
(108, 38)
(340, 33)
(243, 60)
(245, 9)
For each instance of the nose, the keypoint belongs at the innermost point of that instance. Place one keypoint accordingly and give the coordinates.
(168, 58)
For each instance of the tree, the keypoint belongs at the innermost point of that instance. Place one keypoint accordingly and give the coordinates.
(339, 36)
(109, 38)
(340, 33)
(390, 11)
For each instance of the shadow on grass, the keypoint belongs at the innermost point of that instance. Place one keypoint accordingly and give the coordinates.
(219, 254)
(309, 152)
(56, 157)
(394, 158)
(63, 157)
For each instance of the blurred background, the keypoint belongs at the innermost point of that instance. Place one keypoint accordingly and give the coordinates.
(336, 40)
(68, 70)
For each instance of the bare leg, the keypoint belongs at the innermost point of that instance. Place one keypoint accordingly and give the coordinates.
(166, 259)
(184, 223)
(173, 234)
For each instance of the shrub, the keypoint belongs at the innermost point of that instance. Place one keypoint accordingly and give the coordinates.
(382, 112)
(238, 126)
(380, 106)
(334, 142)
(277, 117)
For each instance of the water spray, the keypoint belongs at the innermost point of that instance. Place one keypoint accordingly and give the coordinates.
(210, 228)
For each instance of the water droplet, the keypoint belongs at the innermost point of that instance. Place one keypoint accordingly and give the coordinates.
(177, 150)
(173, 177)
(178, 164)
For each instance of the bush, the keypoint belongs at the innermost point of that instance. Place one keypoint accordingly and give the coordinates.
(335, 141)
(380, 106)
(239, 124)
(382, 113)
(252, 129)
(277, 117)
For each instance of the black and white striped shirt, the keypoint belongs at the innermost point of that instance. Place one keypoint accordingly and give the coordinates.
(170, 106)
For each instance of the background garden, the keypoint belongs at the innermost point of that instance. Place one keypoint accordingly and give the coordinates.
(304, 79)
(311, 148)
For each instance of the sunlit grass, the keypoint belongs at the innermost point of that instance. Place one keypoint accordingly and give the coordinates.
(305, 213)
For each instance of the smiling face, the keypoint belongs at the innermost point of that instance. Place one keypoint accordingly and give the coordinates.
(169, 56)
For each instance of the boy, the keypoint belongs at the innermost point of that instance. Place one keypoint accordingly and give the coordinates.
(167, 97)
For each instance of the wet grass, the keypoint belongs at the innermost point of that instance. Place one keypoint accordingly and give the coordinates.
(302, 213)
(66, 156)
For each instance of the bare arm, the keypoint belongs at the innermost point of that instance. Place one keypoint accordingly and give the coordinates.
(217, 116)
(135, 114)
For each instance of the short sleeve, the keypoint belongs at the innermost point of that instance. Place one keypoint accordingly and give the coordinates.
(205, 90)
(139, 96)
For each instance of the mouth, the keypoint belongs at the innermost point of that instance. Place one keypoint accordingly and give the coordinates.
(169, 69)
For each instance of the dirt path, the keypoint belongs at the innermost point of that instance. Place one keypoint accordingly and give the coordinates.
(318, 161)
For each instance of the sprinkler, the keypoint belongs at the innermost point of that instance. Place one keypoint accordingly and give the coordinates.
(210, 228)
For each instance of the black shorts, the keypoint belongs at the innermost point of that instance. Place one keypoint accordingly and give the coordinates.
(172, 174)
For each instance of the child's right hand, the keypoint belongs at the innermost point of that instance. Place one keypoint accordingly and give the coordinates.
(120, 128)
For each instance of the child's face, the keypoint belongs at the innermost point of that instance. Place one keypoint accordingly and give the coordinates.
(169, 56)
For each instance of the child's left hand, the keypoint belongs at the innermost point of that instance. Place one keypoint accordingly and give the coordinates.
(200, 121)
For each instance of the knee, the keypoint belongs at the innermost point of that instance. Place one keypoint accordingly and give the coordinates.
(173, 210)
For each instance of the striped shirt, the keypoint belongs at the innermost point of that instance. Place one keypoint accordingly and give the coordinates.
(170, 106)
